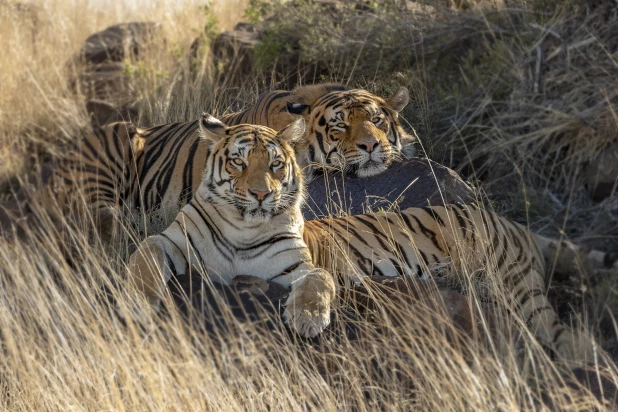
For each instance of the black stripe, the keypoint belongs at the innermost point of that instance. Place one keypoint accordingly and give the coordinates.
(434, 215)
(288, 270)
(429, 233)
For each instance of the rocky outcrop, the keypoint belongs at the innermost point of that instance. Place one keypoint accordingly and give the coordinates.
(247, 50)
(102, 112)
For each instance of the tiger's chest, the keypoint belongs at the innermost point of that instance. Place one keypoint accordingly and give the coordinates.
(259, 253)
(222, 263)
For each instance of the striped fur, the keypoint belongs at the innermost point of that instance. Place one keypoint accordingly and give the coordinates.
(418, 241)
(100, 174)
(244, 219)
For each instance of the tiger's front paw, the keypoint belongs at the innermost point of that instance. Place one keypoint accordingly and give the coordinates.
(307, 310)
(307, 320)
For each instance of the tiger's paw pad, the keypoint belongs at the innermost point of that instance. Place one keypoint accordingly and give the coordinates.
(308, 323)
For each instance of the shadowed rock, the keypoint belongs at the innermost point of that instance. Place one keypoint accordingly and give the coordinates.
(102, 113)
(118, 42)
(251, 299)
(412, 183)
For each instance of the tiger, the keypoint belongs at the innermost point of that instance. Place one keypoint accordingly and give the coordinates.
(244, 218)
(352, 130)
(419, 242)
(96, 178)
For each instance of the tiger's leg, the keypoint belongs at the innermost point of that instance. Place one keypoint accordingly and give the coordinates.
(307, 309)
(150, 267)
(531, 297)
(108, 224)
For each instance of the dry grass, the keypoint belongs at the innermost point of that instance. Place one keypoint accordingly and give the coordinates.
(64, 346)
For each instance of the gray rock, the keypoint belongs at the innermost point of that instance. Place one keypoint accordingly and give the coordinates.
(118, 42)
(234, 50)
(412, 183)
(106, 81)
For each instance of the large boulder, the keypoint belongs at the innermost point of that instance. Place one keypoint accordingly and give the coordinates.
(411, 183)
(234, 49)
(102, 112)
(248, 49)
(101, 74)
(117, 43)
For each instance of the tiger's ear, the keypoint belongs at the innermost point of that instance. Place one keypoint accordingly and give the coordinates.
(399, 100)
(212, 128)
(298, 108)
(293, 131)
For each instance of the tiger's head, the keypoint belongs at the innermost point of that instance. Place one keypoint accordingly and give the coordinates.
(252, 168)
(353, 130)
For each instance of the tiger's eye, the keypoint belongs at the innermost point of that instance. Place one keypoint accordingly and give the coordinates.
(342, 125)
(276, 163)
(376, 120)
(238, 162)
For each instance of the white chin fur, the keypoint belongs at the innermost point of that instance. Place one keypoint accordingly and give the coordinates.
(372, 170)
(258, 216)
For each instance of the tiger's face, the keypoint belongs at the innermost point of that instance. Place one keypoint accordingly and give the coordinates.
(354, 131)
(252, 169)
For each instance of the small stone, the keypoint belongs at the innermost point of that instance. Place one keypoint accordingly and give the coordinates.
(602, 174)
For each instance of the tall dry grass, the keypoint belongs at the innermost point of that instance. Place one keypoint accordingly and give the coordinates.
(65, 345)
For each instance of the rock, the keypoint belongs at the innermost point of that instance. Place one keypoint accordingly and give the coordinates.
(412, 183)
(14, 221)
(602, 174)
(427, 297)
(106, 81)
(101, 75)
(118, 42)
(234, 50)
(599, 381)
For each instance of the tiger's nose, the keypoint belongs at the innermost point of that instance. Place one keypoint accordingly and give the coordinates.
(368, 145)
(260, 195)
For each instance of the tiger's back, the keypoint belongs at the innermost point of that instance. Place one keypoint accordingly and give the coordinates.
(97, 177)
(420, 241)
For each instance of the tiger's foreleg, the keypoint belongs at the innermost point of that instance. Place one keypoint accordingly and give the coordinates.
(307, 309)
(150, 268)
